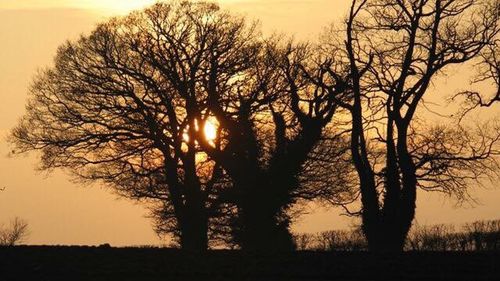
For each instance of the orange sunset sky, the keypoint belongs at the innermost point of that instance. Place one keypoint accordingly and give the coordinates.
(62, 212)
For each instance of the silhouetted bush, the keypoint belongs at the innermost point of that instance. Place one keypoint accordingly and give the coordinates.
(303, 241)
(332, 240)
(430, 238)
(341, 240)
(484, 235)
(475, 236)
(15, 233)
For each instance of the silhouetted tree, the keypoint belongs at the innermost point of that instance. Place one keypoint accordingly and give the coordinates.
(122, 106)
(274, 119)
(16, 232)
(391, 53)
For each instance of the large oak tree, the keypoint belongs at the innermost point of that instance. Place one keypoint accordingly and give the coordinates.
(120, 106)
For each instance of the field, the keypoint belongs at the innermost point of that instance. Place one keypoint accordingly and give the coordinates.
(104, 263)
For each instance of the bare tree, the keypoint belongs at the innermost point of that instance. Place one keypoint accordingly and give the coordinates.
(16, 232)
(122, 106)
(390, 54)
(273, 120)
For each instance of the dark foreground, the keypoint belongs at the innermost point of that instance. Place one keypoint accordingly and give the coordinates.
(94, 263)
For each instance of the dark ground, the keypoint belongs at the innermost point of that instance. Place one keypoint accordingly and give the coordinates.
(101, 263)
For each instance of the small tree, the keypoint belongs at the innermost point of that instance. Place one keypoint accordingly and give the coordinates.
(16, 232)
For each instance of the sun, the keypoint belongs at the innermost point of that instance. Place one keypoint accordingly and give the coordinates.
(210, 129)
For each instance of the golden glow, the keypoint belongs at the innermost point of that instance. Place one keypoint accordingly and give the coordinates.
(122, 7)
(109, 7)
(46, 200)
(210, 129)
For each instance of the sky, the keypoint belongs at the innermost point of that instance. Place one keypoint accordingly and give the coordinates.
(60, 211)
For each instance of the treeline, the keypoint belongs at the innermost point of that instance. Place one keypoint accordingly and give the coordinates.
(481, 235)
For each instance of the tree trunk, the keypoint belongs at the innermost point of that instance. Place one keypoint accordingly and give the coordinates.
(386, 227)
(259, 227)
(385, 238)
(387, 231)
(262, 232)
(194, 229)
